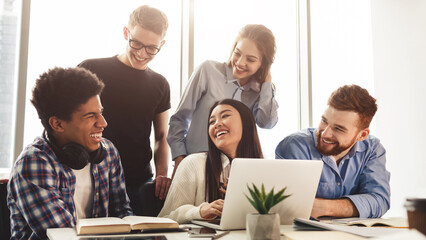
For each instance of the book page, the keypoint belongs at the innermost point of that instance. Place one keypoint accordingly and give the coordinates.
(143, 219)
(102, 225)
(146, 223)
(103, 221)
(369, 222)
(361, 231)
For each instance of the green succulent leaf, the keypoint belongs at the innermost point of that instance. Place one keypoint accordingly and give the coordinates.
(251, 201)
(269, 200)
(263, 202)
(260, 205)
(278, 194)
(257, 192)
(263, 192)
(252, 193)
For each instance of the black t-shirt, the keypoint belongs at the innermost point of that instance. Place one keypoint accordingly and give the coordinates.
(131, 99)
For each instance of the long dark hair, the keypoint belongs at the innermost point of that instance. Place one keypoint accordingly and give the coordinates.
(248, 147)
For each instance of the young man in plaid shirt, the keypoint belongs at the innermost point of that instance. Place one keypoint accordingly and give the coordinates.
(69, 172)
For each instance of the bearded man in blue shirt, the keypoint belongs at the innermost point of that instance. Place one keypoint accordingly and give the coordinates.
(354, 180)
(69, 172)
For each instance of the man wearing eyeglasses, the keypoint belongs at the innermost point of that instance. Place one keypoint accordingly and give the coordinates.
(135, 97)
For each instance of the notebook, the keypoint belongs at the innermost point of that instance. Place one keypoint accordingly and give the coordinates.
(300, 176)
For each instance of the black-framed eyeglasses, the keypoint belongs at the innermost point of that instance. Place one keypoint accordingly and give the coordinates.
(135, 44)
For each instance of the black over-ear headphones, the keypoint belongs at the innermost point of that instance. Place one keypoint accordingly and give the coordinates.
(76, 156)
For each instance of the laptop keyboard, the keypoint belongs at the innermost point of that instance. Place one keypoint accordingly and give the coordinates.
(214, 221)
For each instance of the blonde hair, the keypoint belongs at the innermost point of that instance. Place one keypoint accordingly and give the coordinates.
(150, 19)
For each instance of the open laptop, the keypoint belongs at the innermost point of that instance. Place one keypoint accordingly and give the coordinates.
(301, 178)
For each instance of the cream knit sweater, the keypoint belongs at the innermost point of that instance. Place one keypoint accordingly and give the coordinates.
(187, 191)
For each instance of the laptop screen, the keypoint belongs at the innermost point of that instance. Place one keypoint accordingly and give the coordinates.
(301, 177)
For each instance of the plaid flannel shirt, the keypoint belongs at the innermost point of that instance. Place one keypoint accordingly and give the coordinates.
(41, 190)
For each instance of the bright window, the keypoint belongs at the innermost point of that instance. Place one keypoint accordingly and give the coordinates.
(341, 49)
(64, 33)
(9, 26)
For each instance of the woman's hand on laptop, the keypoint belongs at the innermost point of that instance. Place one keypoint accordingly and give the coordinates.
(211, 210)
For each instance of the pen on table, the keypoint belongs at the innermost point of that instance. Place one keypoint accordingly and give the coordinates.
(312, 218)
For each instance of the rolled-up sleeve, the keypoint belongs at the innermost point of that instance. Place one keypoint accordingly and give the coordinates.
(179, 122)
(266, 110)
(373, 198)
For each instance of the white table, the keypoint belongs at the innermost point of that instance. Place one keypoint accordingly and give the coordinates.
(70, 234)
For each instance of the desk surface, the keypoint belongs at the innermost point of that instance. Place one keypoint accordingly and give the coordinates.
(69, 234)
(287, 230)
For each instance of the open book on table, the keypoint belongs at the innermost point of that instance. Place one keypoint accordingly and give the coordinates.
(371, 222)
(107, 225)
(361, 231)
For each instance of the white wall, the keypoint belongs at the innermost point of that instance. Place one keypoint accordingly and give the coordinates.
(399, 53)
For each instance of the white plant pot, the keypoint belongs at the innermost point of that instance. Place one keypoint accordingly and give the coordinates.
(263, 226)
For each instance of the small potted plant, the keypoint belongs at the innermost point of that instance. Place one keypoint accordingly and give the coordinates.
(264, 225)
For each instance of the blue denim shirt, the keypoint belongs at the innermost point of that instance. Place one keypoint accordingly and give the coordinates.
(361, 175)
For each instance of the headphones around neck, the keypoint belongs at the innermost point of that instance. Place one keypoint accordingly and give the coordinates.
(76, 156)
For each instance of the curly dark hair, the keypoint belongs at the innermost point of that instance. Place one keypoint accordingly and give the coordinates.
(248, 147)
(60, 92)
